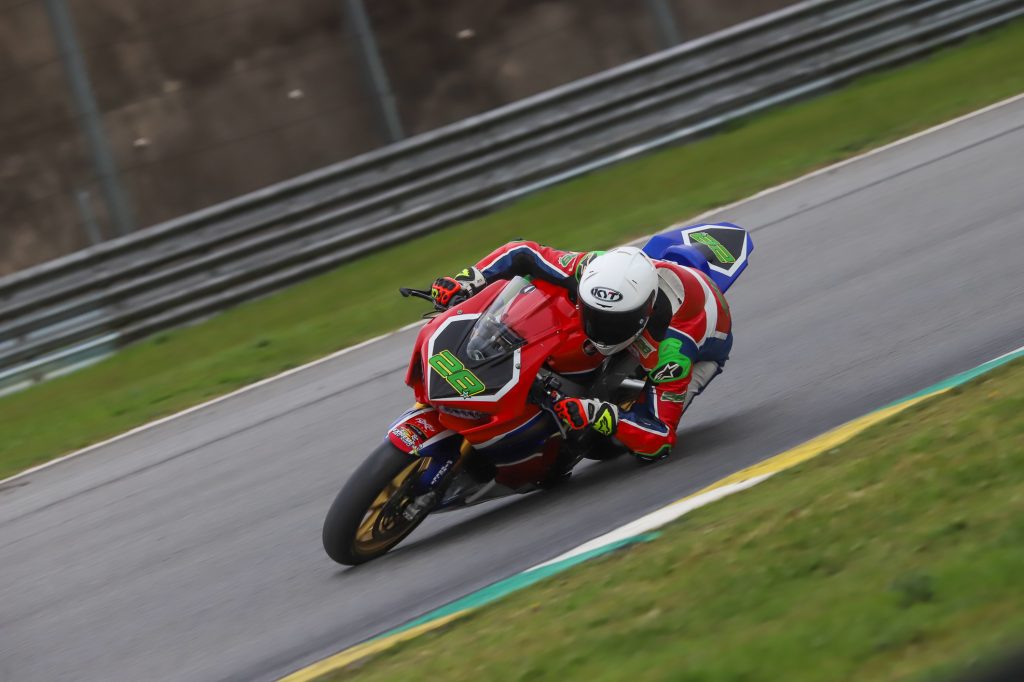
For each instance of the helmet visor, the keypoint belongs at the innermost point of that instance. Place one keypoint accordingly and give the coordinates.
(610, 328)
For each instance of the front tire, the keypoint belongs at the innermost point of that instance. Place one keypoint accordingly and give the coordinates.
(366, 520)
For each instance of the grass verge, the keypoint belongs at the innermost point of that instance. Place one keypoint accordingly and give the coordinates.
(895, 556)
(180, 368)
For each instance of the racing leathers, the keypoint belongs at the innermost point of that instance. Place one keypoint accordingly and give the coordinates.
(684, 345)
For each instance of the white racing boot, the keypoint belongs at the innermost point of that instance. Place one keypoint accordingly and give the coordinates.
(701, 375)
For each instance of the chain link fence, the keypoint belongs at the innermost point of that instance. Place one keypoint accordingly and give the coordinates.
(118, 114)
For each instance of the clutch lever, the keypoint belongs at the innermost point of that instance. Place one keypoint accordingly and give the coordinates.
(408, 292)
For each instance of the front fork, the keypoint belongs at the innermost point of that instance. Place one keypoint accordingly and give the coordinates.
(419, 433)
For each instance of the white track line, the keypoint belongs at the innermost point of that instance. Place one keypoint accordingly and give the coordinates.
(656, 519)
(855, 159)
(695, 219)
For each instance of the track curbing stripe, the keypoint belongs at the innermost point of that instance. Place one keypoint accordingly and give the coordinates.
(642, 529)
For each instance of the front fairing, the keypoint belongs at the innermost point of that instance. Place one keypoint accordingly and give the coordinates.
(477, 391)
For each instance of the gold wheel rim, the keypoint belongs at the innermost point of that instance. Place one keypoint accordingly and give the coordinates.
(368, 536)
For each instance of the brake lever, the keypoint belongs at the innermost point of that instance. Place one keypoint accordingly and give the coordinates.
(407, 292)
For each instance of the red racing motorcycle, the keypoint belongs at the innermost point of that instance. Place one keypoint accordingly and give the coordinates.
(485, 374)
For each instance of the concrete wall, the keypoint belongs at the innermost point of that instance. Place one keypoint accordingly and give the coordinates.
(205, 99)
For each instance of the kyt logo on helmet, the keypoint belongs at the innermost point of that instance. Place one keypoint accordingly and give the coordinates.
(607, 295)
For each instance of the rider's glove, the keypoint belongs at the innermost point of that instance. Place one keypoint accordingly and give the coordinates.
(577, 413)
(447, 291)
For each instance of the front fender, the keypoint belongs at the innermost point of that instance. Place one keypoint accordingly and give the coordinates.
(419, 433)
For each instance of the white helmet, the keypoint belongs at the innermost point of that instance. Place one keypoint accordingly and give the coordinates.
(617, 291)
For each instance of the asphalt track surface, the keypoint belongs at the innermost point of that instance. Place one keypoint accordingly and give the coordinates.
(191, 551)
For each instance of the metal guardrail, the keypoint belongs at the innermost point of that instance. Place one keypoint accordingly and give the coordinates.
(76, 307)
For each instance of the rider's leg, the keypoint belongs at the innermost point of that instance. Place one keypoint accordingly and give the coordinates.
(517, 452)
(478, 466)
(709, 365)
(702, 374)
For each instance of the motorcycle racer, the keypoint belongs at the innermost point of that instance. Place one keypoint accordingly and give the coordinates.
(673, 319)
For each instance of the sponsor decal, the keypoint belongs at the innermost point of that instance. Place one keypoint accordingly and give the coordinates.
(673, 397)
(451, 369)
(643, 346)
(670, 371)
(441, 472)
(718, 295)
(721, 253)
(462, 414)
(567, 258)
(606, 295)
(428, 429)
(605, 421)
(406, 435)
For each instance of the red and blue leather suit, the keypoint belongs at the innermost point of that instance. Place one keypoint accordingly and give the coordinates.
(690, 324)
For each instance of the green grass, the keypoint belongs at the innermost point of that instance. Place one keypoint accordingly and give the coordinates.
(182, 367)
(896, 556)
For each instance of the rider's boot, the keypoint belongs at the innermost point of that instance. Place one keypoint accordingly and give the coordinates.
(480, 468)
(475, 473)
(702, 374)
(482, 472)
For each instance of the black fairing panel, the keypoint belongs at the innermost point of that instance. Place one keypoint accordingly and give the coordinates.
(494, 374)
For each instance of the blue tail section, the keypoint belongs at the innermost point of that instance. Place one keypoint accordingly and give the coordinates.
(719, 249)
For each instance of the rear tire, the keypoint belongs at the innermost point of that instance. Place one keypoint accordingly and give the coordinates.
(365, 520)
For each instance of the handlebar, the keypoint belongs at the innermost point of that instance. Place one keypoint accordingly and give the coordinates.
(406, 292)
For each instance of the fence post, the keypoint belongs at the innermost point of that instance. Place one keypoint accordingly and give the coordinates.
(664, 23)
(88, 114)
(373, 68)
(88, 216)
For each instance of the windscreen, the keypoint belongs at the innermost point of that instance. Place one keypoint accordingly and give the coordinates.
(491, 336)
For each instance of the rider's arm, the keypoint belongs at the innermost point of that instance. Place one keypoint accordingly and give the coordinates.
(648, 428)
(526, 258)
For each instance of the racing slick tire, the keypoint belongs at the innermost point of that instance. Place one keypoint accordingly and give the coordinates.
(366, 519)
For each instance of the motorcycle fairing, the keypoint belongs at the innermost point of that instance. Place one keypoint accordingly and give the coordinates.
(414, 376)
(540, 312)
(524, 437)
(721, 250)
(497, 376)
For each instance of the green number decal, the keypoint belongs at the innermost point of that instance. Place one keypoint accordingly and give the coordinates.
(455, 373)
(721, 253)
